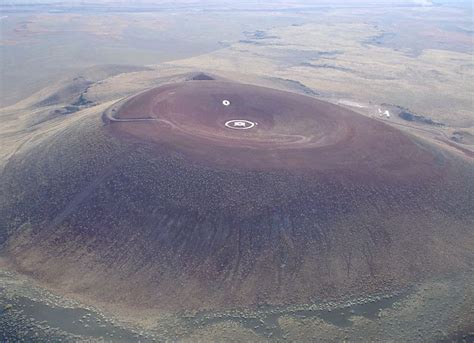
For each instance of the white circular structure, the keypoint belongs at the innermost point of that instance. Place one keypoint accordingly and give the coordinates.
(225, 102)
(240, 124)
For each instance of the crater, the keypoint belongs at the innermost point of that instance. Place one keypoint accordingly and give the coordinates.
(157, 204)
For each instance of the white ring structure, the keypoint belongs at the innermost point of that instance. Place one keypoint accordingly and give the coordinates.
(240, 124)
(225, 102)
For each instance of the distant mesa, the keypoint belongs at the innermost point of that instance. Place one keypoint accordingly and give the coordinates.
(156, 203)
(202, 77)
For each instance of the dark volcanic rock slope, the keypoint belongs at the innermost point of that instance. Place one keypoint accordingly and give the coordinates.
(160, 204)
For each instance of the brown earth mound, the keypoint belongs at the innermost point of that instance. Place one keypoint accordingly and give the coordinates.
(216, 194)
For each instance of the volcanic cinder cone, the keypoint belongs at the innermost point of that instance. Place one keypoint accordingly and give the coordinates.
(213, 194)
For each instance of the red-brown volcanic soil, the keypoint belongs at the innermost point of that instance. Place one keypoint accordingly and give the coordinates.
(292, 132)
(158, 204)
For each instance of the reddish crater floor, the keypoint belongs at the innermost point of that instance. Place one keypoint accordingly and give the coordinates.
(278, 130)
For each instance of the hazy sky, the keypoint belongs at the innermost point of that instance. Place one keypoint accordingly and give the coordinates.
(138, 2)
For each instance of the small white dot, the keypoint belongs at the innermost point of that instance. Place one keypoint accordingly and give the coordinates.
(225, 102)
